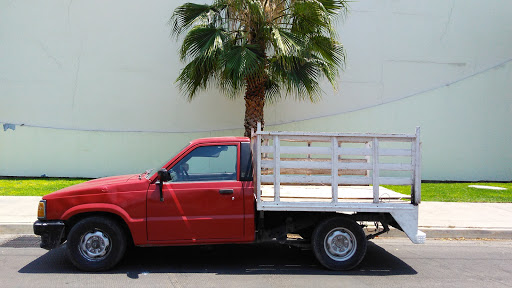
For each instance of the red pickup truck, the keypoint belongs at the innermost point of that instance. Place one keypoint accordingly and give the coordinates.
(208, 193)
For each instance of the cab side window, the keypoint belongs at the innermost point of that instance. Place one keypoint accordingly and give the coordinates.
(207, 163)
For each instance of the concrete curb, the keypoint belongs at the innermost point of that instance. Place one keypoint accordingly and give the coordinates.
(468, 233)
(441, 232)
(16, 228)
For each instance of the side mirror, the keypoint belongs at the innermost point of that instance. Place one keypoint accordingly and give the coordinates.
(163, 176)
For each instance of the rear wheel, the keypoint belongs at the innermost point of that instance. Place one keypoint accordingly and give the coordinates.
(96, 244)
(339, 243)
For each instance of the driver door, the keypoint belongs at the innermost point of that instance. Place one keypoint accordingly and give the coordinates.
(204, 199)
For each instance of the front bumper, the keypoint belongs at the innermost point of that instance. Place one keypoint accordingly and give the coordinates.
(51, 232)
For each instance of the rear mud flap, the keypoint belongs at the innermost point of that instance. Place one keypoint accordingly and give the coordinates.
(408, 221)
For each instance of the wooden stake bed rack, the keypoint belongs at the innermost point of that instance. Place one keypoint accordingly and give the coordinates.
(328, 159)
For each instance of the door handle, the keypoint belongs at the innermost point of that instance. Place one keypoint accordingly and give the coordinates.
(226, 191)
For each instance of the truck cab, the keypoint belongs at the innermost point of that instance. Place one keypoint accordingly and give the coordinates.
(208, 198)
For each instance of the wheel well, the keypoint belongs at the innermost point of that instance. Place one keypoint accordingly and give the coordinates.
(78, 217)
(278, 224)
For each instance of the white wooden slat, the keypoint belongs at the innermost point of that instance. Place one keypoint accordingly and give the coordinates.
(396, 167)
(395, 152)
(306, 164)
(299, 138)
(267, 179)
(266, 149)
(309, 135)
(395, 181)
(382, 137)
(354, 180)
(305, 150)
(312, 179)
(351, 139)
(355, 166)
(298, 150)
(348, 138)
(355, 151)
(267, 164)
(333, 207)
(328, 165)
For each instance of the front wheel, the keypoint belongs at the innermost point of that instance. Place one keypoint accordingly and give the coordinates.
(96, 244)
(339, 243)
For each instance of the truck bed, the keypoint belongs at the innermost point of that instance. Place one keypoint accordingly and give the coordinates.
(308, 171)
(317, 193)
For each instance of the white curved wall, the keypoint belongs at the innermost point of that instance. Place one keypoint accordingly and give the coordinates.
(101, 75)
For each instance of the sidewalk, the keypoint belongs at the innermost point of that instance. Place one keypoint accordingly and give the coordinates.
(17, 214)
(436, 219)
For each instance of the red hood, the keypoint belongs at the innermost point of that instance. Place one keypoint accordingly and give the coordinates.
(100, 185)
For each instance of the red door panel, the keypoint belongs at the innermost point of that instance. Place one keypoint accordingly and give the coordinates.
(196, 211)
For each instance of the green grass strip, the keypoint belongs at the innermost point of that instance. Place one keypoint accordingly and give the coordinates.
(35, 186)
(459, 192)
(442, 192)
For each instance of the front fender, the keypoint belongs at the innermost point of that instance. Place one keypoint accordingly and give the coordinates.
(137, 226)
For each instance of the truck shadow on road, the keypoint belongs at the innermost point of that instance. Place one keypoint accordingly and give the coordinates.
(266, 258)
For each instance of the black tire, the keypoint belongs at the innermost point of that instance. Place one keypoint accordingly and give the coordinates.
(96, 244)
(339, 243)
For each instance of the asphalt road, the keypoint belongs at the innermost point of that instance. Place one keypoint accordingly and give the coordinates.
(389, 262)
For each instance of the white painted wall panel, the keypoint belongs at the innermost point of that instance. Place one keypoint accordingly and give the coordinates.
(110, 66)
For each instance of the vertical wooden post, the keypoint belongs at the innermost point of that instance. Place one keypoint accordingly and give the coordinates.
(334, 172)
(414, 171)
(277, 169)
(375, 162)
(257, 145)
(417, 168)
(367, 145)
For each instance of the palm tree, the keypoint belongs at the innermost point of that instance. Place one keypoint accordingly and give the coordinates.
(264, 49)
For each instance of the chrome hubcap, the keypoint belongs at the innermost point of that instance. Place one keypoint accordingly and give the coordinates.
(94, 245)
(340, 244)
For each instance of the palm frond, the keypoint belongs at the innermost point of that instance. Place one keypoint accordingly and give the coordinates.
(334, 7)
(310, 17)
(202, 39)
(188, 14)
(239, 63)
(329, 49)
(285, 42)
(197, 74)
(272, 90)
(299, 76)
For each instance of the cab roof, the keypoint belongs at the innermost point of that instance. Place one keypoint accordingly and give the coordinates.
(220, 139)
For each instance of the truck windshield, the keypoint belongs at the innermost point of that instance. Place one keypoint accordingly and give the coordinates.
(153, 171)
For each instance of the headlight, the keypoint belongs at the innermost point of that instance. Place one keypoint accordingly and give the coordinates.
(41, 210)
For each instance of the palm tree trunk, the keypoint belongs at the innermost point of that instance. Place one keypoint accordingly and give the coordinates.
(255, 91)
(254, 103)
